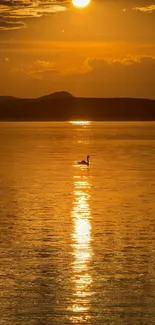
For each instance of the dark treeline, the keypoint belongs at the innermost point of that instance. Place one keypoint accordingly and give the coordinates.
(59, 108)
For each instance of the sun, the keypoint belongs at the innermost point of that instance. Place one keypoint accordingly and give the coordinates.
(81, 3)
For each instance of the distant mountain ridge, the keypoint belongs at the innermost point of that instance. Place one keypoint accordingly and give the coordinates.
(62, 106)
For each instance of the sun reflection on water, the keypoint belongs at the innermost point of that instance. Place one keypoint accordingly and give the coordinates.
(80, 122)
(82, 251)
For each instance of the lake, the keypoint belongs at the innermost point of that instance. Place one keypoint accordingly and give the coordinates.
(77, 243)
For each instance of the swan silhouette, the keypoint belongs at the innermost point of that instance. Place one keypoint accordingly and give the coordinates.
(83, 162)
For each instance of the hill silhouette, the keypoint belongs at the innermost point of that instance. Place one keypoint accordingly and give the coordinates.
(57, 95)
(62, 106)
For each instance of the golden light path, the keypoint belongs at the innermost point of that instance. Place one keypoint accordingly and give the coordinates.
(80, 122)
(81, 3)
(82, 251)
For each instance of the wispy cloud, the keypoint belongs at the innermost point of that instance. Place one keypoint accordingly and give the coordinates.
(12, 13)
(11, 25)
(39, 70)
(145, 9)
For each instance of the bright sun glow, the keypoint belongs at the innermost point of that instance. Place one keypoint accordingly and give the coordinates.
(80, 3)
(80, 122)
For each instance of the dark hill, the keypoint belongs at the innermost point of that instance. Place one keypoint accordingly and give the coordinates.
(62, 106)
(57, 95)
(6, 98)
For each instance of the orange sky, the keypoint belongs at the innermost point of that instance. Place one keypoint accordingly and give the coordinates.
(104, 50)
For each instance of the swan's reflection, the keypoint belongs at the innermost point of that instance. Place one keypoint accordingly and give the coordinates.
(82, 251)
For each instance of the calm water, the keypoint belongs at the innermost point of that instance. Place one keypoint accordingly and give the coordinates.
(77, 244)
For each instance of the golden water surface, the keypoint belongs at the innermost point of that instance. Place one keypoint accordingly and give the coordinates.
(77, 243)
